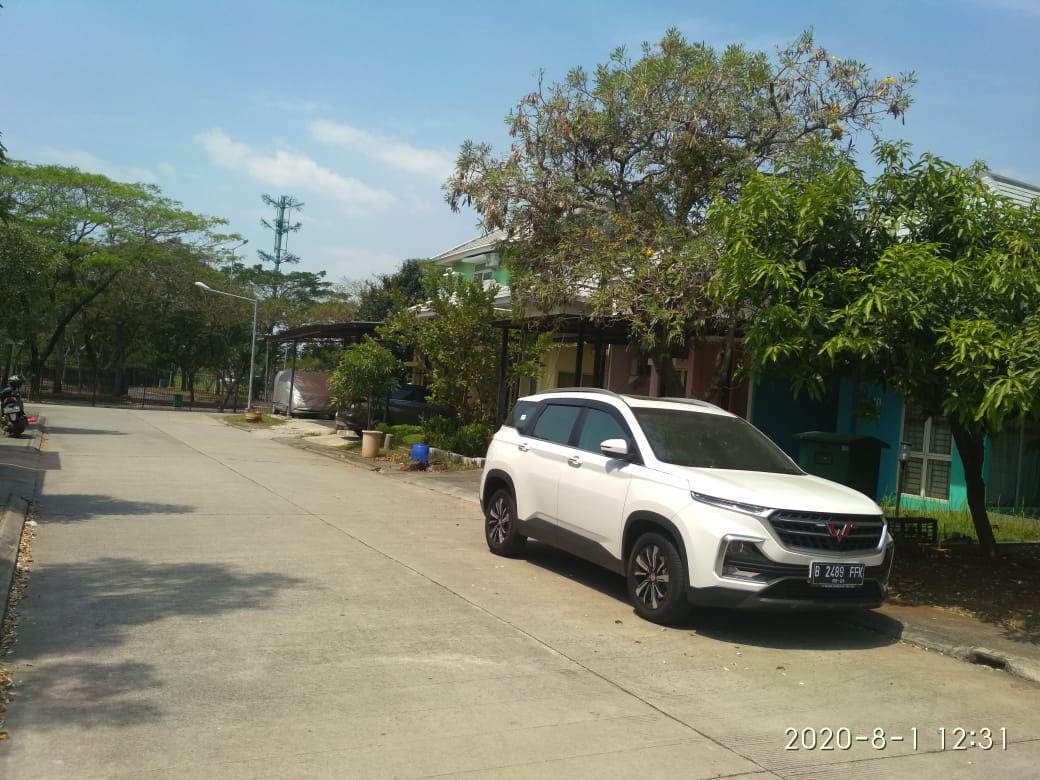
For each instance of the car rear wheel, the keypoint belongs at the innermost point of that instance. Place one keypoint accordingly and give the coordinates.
(657, 579)
(500, 529)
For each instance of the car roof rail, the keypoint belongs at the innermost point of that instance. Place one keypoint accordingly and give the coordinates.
(677, 400)
(596, 390)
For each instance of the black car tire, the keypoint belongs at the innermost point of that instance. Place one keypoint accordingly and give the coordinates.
(500, 529)
(657, 579)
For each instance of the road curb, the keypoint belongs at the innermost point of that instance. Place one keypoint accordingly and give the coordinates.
(14, 511)
(12, 523)
(380, 468)
(939, 642)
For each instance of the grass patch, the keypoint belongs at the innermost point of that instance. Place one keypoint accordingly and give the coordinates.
(265, 421)
(957, 524)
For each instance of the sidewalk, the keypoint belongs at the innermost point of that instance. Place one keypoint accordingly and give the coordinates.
(19, 467)
(931, 628)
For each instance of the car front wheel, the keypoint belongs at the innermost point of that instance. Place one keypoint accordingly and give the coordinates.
(657, 579)
(500, 530)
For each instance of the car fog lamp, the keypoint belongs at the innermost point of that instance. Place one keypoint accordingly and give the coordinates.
(743, 560)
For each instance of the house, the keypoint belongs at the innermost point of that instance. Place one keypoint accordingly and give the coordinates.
(589, 354)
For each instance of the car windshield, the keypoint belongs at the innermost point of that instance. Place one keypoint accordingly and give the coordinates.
(407, 393)
(711, 441)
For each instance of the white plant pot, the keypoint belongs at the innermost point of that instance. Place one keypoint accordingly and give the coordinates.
(371, 441)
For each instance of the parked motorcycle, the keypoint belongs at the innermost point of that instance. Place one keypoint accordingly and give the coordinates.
(12, 411)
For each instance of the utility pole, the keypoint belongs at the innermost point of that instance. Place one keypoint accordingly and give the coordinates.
(282, 227)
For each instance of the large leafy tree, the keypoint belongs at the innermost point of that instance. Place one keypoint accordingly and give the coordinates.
(27, 262)
(378, 296)
(925, 280)
(100, 228)
(604, 190)
(453, 334)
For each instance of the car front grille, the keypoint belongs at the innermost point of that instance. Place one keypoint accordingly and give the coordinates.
(828, 532)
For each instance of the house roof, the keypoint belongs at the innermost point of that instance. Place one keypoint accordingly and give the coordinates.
(476, 246)
(1023, 194)
(347, 332)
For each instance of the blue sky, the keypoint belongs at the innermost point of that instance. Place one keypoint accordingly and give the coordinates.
(358, 109)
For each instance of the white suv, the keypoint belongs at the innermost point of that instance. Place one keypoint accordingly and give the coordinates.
(690, 503)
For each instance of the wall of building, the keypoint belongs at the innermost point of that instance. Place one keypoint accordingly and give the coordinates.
(780, 415)
(888, 427)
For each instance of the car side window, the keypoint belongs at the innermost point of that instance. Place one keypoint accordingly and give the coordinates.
(599, 426)
(522, 415)
(556, 422)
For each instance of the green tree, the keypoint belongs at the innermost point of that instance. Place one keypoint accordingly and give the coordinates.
(366, 371)
(454, 335)
(100, 228)
(604, 191)
(925, 280)
(404, 287)
(26, 264)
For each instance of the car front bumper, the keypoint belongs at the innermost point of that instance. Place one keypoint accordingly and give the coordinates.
(787, 587)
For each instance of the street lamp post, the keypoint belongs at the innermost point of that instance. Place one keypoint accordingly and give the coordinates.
(252, 344)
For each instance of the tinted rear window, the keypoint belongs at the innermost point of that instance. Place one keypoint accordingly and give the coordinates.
(711, 441)
(521, 415)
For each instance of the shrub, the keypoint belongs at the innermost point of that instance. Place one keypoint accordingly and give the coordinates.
(444, 433)
(472, 440)
(439, 432)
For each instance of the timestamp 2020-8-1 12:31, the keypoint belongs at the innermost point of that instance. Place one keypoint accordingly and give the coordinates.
(940, 738)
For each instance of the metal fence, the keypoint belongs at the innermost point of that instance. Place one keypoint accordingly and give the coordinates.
(143, 387)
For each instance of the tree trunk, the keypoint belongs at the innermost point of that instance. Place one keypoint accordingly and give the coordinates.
(59, 366)
(668, 385)
(971, 444)
(721, 392)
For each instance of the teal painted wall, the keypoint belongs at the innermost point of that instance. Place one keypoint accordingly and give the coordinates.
(889, 428)
(779, 415)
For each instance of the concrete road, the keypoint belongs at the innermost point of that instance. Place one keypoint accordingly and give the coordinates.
(206, 602)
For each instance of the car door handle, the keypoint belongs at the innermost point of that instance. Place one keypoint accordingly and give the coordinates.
(522, 446)
(574, 460)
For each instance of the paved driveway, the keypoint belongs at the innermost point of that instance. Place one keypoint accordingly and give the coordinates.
(209, 602)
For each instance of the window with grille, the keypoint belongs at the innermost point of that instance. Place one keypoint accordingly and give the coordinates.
(926, 472)
(484, 271)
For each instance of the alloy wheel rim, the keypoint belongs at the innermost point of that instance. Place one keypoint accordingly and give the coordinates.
(498, 521)
(651, 576)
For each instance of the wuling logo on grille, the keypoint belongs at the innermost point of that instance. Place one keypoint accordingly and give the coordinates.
(841, 534)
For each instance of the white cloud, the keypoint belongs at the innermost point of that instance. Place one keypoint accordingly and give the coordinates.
(436, 163)
(89, 163)
(288, 169)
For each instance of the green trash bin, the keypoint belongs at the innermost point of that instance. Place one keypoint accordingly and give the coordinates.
(850, 459)
(178, 400)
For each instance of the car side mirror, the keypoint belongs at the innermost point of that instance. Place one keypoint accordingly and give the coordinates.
(615, 448)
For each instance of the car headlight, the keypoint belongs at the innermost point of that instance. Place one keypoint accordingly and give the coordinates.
(733, 506)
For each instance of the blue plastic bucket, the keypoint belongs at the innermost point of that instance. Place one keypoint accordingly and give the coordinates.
(421, 453)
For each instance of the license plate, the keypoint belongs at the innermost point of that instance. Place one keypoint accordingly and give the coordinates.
(836, 575)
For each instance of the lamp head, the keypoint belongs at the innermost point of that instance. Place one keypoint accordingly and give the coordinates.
(202, 286)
